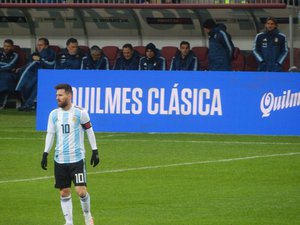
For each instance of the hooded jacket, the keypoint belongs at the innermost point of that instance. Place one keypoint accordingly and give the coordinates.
(220, 49)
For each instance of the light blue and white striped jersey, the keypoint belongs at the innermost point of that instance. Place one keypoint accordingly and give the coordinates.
(67, 125)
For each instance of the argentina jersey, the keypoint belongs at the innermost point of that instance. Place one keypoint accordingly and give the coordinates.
(69, 133)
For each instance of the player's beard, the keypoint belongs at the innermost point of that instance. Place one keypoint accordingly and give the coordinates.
(63, 104)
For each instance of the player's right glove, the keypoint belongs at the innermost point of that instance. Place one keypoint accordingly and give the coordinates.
(44, 161)
(95, 158)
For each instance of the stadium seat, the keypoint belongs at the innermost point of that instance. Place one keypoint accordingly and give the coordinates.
(238, 61)
(251, 63)
(55, 48)
(85, 49)
(140, 49)
(111, 52)
(297, 57)
(202, 55)
(22, 56)
(286, 63)
(168, 52)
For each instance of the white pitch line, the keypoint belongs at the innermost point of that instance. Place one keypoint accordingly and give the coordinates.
(159, 166)
(165, 141)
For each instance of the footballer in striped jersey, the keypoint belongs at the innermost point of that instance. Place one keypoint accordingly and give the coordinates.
(67, 125)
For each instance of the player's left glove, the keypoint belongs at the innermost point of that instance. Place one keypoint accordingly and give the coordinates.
(95, 158)
(44, 161)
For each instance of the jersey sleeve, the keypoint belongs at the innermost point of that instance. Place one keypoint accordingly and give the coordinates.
(50, 132)
(51, 123)
(85, 120)
(86, 124)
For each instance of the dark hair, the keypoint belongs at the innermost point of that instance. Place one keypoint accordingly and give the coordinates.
(71, 40)
(209, 24)
(95, 48)
(185, 43)
(128, 46)
(66, 87)
(45, 40)
(272, 19)
(9, 41)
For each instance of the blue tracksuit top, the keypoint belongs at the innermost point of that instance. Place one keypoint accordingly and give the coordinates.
(220, 50)
(190, 62)
(270, 50)
(89, 64)
(156, 63)
(68, 62)
(130, 64)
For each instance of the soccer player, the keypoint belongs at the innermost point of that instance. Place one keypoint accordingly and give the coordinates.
(68, 122)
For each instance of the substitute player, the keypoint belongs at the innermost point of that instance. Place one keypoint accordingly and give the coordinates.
(68, 123)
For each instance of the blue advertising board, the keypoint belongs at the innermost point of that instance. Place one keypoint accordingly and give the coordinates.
(178, 101)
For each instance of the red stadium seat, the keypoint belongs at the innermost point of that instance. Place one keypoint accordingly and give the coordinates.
(297, 57)
(286, 63)
(85, 49)
(168, 52)
(251, 63)
(202, 55)
(111, 52)
(140, 49)
(238, 62)
(22, 56)
(55, 48)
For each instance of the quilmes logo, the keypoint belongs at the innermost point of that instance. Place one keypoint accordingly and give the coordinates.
(269, 102)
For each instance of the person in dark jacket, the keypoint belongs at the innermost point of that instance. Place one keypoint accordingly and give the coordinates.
(184, 59)
(220, 46)
(43, 58)
(270, 47)
(129, 59)
(152, 60)
(8, 61)
(95, 60)
(71, 57)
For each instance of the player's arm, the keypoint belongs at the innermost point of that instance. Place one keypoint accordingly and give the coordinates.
(48, 142)
(87, 126)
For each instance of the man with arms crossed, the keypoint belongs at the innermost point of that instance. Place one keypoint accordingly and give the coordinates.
(68, 122)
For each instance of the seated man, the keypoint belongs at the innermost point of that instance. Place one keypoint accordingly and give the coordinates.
(184, 59)
(43, 58)
(8, 61)
(95, 60)
(129, 59)
(152, 60)
(71, 57)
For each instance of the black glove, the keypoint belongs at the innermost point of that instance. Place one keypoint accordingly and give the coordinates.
(95, 158)
(44, 161)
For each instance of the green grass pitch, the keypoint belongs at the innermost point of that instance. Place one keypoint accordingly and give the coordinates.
(155, 179)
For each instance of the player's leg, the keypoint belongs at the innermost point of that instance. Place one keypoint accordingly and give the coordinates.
(63, 182)
(79, 179)
(66, 205)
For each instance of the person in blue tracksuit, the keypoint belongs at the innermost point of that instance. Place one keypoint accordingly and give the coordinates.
(8, 61)
(221, 46)
(71, 57)
(270, 47)
(129, 59)
(43, 58)
(152, 60)
(185, 58)
(95, 60)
